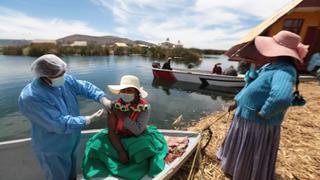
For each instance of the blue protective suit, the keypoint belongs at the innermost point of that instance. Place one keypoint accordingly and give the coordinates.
(56, 123)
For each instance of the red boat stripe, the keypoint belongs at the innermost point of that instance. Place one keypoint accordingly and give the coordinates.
(167, 75)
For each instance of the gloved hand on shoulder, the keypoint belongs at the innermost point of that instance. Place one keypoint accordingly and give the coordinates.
(106, 103)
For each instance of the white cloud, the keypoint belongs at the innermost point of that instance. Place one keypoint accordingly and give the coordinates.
(16, 25)
(197, 23)
(262, 9)
(214, 24)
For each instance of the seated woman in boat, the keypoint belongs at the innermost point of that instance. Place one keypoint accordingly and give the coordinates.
(217, 69)
(230, 71)
(128, 148)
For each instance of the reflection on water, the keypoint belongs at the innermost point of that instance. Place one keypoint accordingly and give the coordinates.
(212, 91)
(168, 101)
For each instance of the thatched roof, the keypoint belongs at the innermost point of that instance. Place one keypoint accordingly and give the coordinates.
(242, 48)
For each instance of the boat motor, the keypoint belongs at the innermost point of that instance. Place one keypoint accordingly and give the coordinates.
(156, 64)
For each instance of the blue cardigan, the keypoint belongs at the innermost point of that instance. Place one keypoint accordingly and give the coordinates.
(270, 94)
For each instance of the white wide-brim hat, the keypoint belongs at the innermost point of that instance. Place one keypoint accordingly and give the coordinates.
(128, 81)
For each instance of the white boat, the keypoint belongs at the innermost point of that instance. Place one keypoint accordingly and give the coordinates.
(212, 91)
(19, 162)
(199, 77)
(206, 78)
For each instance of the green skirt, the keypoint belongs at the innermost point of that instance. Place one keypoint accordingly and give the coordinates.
(146, 154)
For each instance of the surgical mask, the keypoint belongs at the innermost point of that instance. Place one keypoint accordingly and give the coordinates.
(57, 82)
(127, 97)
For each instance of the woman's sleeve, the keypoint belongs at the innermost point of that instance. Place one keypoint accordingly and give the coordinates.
(280, 95)
(138, 126)
(238, 96)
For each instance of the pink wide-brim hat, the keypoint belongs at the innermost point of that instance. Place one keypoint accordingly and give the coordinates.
(284, 43)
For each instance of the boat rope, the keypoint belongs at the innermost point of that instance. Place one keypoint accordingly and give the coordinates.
(199, 150)
(208, 128)
(192, 172)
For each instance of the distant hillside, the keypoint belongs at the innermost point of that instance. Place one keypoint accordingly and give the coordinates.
(13, 42)
(100, 40)
(144, 43)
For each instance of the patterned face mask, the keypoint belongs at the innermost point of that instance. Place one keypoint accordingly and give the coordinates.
(127, 97)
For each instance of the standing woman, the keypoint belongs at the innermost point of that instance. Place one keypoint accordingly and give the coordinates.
(249, 150)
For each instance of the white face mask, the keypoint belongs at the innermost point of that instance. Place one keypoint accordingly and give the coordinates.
(57, 82)
(127, 97)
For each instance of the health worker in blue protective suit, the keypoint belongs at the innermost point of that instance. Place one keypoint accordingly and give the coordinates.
(50, 103)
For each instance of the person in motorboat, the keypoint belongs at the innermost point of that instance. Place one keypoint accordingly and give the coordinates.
(128, 148)
(217, 69)
(314, 63)
(50, 104)
(167, 64)
(230, 71)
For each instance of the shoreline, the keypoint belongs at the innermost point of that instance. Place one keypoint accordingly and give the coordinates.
(299, 151)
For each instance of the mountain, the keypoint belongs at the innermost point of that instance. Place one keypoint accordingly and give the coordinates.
(100, 40)
(144, 43)
(14, 42)
(94, 40)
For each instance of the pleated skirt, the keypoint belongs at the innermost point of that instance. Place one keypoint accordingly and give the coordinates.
(249, 150)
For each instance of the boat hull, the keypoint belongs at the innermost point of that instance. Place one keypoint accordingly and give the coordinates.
(206, 78)
(203, 78)
(19, 162)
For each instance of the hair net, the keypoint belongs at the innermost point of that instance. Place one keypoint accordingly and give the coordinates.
(48, 65)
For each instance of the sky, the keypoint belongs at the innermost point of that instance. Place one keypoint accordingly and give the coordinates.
(206, 24)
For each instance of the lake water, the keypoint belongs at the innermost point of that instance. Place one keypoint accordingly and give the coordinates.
(168, 101)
